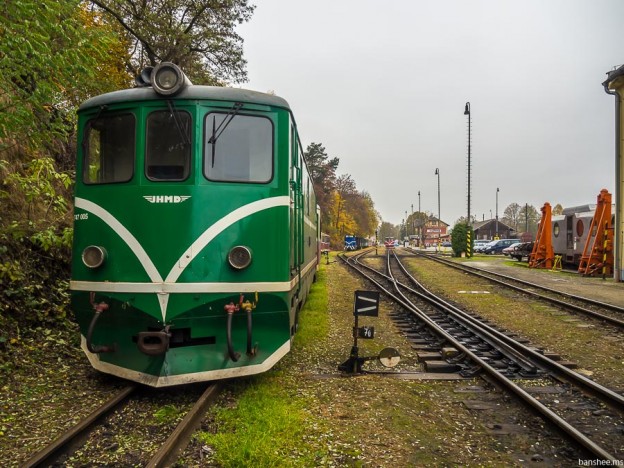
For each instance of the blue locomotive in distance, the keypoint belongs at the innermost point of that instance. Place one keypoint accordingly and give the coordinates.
(355, 243)
(350, 243)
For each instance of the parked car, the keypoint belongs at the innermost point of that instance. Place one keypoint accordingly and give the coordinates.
(518, 251)
(507, 250)
(497, 246)
(446, 244)
(479, 244)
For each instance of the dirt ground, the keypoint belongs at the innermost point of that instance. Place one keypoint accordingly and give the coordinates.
(370, 420)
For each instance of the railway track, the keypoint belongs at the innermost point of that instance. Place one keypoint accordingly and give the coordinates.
(605, 312)
(72, 439)
(477, 348)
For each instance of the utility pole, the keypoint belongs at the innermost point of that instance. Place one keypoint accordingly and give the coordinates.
(437, 172)
(467, 112)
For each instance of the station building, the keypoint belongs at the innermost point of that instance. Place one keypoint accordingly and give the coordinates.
(487, 230)
(435, 231)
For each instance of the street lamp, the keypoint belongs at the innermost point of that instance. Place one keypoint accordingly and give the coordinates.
(406, 223)
(497, 190)
(414, 232)
(420, 242)
(467, 112)
(406, 232)
(437, 172)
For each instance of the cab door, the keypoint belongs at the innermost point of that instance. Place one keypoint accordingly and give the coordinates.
(296, 208)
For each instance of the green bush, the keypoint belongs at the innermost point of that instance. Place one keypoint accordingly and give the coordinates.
(459, 239)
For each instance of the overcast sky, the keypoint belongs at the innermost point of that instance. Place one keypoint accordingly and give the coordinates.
(382, 85)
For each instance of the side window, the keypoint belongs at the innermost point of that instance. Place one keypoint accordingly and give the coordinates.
(109, 149)
(239, 150)
(308, 194)
(168, 145)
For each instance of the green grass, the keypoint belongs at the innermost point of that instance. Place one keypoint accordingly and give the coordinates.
(265, 429)
(269, 426)
(165, 414)
(314, 321)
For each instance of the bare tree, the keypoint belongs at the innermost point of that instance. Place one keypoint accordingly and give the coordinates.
(511, 215)
(198, 35)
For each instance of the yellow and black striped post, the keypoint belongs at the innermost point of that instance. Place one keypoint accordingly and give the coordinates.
(469, 242)
(604, 250)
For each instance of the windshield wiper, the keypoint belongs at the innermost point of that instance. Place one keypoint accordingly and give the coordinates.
(174, 115)
(224, 123)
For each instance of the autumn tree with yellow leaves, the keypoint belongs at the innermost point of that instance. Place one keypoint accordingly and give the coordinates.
(344, 209)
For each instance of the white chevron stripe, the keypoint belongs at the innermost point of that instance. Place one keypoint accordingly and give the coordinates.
(122, 232)
(163, 288)
(218, 227)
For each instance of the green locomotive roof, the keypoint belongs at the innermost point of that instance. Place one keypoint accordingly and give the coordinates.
(215, 93)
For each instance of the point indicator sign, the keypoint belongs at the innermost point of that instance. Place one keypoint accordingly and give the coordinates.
(366, 304)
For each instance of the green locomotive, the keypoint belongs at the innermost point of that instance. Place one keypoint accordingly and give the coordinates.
(196, 230)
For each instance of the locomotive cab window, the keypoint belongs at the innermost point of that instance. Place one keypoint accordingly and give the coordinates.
(238, 148)
(109, 149)
(168, 145)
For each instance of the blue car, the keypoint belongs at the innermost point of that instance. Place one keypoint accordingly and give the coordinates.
(497, 246)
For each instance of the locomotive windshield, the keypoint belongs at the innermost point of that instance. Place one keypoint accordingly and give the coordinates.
(243, 151)
(109, 149)
(167, 148)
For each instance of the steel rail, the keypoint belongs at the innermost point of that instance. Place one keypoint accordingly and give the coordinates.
(605, 394)
(546, 412)
(181, 436)
(484, 274)
(47, 456)
(484, 333)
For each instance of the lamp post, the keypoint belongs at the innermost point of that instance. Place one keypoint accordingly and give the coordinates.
(414, 232)
(497, 190)
(419, 223)
(467, 112)
(437, 172)
(406, 230)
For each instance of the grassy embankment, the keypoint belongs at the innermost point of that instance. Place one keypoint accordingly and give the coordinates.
(268, 424)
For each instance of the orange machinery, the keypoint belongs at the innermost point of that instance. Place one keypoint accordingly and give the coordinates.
(597, 255)
(543, 254)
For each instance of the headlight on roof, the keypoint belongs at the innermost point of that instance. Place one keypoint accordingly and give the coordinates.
(93, 256)
(168, 79)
